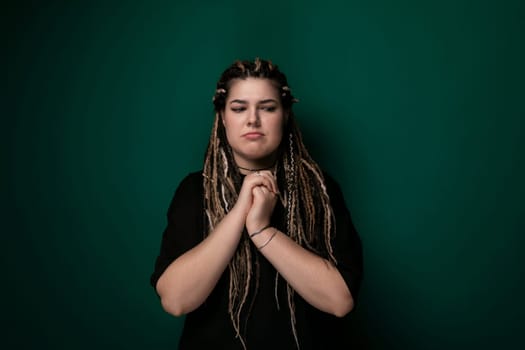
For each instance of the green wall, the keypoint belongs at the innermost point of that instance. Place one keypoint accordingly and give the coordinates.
(415, 107)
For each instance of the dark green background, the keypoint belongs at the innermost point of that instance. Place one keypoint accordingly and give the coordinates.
(415, 107)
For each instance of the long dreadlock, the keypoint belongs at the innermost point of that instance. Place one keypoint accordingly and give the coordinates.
(305, 198)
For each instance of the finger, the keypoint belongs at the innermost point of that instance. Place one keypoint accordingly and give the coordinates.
(255, 179)
(264, 178)
(267, 194)
(260, 190)
(263, 193)
(271, 180)
(261, 179)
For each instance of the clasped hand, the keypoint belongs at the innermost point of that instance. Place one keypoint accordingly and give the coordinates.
(258, 196)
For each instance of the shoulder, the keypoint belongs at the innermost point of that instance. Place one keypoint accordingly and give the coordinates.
(192, 178)
(334, 190)
(187, 194)
(190, 183)
(332, 185)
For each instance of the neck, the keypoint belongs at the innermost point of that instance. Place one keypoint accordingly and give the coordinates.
(247, 167)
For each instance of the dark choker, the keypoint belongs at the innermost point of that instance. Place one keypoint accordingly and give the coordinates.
(252, 170)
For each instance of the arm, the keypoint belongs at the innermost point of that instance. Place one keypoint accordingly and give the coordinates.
(318, 281)
(190, 278)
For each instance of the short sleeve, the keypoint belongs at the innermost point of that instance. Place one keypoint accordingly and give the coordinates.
(184, 227)
(346, 243)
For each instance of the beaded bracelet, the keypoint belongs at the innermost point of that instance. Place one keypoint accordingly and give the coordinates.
(268, 241)
(257, 232)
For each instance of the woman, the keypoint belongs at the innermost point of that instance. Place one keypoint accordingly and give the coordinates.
(259, 251)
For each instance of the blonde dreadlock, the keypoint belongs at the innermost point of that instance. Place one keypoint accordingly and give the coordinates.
(306, 201)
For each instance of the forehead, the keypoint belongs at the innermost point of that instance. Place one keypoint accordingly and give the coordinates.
(252, 89)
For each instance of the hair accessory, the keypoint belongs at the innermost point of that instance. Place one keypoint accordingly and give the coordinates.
(218, 91)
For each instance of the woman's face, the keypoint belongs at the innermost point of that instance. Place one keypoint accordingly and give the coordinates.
(253, 118)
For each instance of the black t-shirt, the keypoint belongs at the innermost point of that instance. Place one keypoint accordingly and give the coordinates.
(268, 324)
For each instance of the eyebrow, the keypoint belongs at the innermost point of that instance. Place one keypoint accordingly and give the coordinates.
(260, 102)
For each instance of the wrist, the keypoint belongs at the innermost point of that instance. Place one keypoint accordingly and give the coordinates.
(265, 238)
(262, 228)
(238, 210)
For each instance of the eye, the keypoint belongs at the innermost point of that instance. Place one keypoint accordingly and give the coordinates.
(269, 108)
(238, 109)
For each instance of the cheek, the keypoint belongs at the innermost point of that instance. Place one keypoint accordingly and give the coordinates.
(280, 125)
(226, 122)
(278, 130)
(231, 129)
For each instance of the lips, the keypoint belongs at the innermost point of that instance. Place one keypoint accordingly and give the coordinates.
(253, 135)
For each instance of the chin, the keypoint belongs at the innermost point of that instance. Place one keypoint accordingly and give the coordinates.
(257, 157)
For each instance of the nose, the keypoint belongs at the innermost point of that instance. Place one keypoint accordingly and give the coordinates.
(253, 117)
